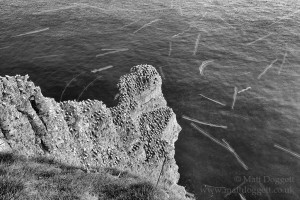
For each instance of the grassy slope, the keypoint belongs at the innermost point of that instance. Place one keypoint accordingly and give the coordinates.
(21, 178)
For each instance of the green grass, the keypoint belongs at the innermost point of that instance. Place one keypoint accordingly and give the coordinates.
(45, 179)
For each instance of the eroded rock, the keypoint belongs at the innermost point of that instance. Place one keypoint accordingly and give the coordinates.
(136, 135)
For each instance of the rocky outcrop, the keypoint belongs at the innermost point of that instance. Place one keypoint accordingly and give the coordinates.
(137, 135)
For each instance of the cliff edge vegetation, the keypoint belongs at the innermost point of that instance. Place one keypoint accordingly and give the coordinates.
(135, 137)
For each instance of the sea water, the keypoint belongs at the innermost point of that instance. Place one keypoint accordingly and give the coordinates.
(251, 44)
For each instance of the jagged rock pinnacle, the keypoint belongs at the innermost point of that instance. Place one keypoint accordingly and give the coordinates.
(136, 135)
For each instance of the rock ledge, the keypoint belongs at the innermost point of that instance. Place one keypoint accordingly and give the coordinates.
(137, 135)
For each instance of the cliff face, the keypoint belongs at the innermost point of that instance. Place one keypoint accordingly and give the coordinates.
(137, 135)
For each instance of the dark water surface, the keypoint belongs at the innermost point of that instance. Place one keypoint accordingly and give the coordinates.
(266, 114)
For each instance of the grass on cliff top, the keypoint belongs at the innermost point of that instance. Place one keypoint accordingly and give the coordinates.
(42, 179)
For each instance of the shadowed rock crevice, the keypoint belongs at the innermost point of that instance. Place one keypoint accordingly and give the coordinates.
(136, 135)
(33, 104)
(35, 108)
